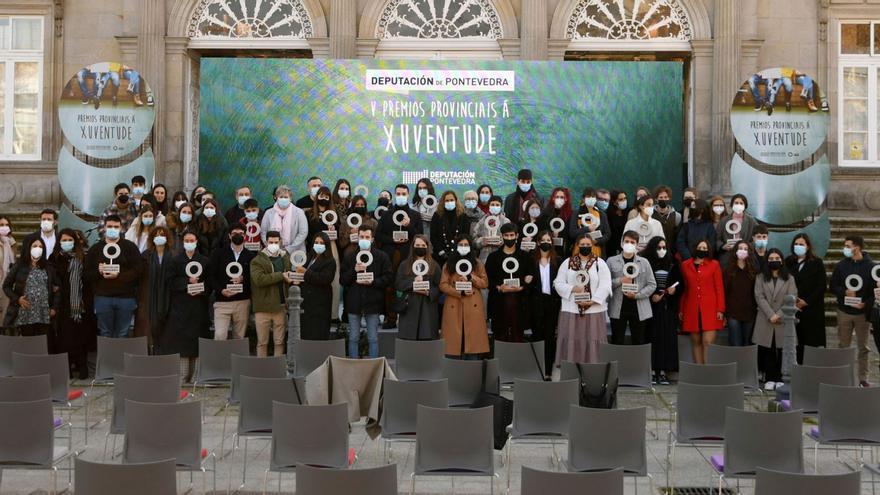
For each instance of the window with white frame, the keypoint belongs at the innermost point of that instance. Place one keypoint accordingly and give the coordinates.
(859, 94)
(21, 82)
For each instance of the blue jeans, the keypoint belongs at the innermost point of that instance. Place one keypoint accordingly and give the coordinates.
(114, 315)
(739, 333)
(755, 81)
(354, 331)
(104, 79)
(81, 81)
(134, 81)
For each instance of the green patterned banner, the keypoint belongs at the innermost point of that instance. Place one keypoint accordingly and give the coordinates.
(266, 122)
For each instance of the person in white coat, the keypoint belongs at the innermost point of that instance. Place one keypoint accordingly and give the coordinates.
(287, 219)
(581, 327)
(644, 223)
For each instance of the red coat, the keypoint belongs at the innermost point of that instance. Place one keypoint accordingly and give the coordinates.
(703, 295)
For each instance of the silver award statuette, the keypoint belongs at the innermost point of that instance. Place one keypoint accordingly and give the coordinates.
(588, 219)
(510, 265)
(297, 259)
(464, 268)
(630, 270)
(111, 252)
(644, 235)
(530, 230)
(430, 201)
(557, 225)
(492, 222)
(193, 269)
(233, 271)
(354, 222)
(379, 211)
(399, 217)
(875, 274)
(420, 269)
(583, 279)
(329, 217)
(253, 230)
(365, 258)
(361, 190)
(733, 228)
(853, 283)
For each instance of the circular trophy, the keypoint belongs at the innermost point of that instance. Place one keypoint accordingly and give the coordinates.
(329, 217)
(354, 220)
(399, 217)
(364, 257)
(631, 270)
(854, 282)
(492, 222)
(510, 265)
(298, 258)
(582, 277)
(253, 229)
(875, 273)
(464, 267)
(193, 269)
(420, 268)
(430, 201)
(644, 229)
(112, 251)
(733, 227)
(530, 229)
(361, 190)
(379, 211)
(557, 225)
(234, 270)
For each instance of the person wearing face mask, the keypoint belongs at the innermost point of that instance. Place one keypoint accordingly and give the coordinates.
(697, 228)
(641, 192)
(664, 212)
(644, 223)
(447, 223)
(234, 215)
(46, 233)
(359, 207)
(581, 324)
(464, 315)
(471, 207)
(252, 213)
(150, 200)
(151, 318)
(603, 200)
(270, 279)
(288, 220)
(760, 241)
(419, 311)
(580, 224)
(508, 309)
(231, 310)
(663, 325)
(618, 215)
(211, 227)
(484, 194)
(324, 202)
(179, 222)
(122, 207)
(853, 318)
(384, 200)
(115, 289)
(772, 286)
(138, 189)
(630, 308)
(485, 240)
(811, 281)
(75, 320)
(7, 259)
(425, 188)
(308, 200)
(533, 215)
(397, 250)
(140, 229)
(717, 210)
(525, 191)
(31, 286)
(559, 206)
(689, 202)
(342, 197)
(319, 275)
(543, 298)
(725, 240)
(177, 200)
(366, 299)
(187, 310)
(703, 304)
(739, 293)
(195, 198)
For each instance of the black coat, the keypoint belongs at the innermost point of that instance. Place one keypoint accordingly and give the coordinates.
(811, 283)
(444, 229)
(385, 231)
(367, 299)
(317, 294)
(497, 275)
(187, 315)
(15, 282)
(219, 260)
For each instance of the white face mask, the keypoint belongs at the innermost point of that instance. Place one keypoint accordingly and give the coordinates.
(36, 253)
(178, 203)
(739, 208)
(719, 210)
(160, 240)
(242, 199)
(534, 212)
(5, 230)
(209, 212)
(343, 193)
(190, 246)
(559, 202)
(661, 253)
(273, 248)
(629, 248)
(463, 250)
(495, 210)
(649, 210)
(47, 225)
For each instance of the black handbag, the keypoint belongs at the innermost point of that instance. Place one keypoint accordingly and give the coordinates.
(400, 302)
(607, 396)
(502, 414)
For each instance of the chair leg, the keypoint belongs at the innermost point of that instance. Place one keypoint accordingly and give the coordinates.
(244, 463)
(231, 461)
(266, 480)
(223, 433)
(509, 448)
(412, 489)
(816, 458)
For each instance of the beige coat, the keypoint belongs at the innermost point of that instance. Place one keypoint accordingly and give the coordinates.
(770, 300)
(465, 312)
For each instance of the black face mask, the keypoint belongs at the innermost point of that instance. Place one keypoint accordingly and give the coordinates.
(774, 265)
(545, 246)
(360, 210)
(701, 253)
(585, 251)
(510, 242)
(237, 239)
(122, 198)
(384, 201)
(689, 202)
(324, 202)
(662, 203)
(420, 251)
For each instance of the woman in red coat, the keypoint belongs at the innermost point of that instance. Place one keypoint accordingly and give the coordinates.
(702, 305)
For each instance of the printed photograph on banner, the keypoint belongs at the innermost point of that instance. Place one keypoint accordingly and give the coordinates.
(106, 110)
(780, 116)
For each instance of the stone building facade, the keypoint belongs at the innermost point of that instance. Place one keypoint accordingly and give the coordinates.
(720, 42)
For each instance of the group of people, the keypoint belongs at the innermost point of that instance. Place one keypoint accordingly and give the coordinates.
(433, 265)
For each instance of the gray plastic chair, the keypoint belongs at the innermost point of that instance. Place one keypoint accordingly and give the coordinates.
(54, 365)
(707, 374)
(401, 400)
(593, 375)
(372, 481)
(314, 435)
(746, 359)
(27, 438)
(25, 388)
(538, 482)
(214, 364)
(253, 366)
(753, 439)
(149, 478)
(517, 360)
(419, 359)
(822, 356)
(768, 482)
(847, 416)
(159, 365)
(255, 411)
(156, 432)
(36, 344)
(309, 354)
(805, 382)
(601, 439)
(699, 417)
(153, 389)
(633, 364)
(454, 442)
(111, 356)
(464, 379)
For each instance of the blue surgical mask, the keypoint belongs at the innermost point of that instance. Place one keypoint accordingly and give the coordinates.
(137, 191)
(314, 191)
(319, 248)
(112, 233)
(621, 204)
(602, 204)
(160, 240)
(760, 243)
(524, 187)
(495, 210)
(283, 203)
(589, 202)
(186, 217)
(423, 193)
(400, 200)
(485, 197)
(470, 203)
(67, 246)
(147, 220)
(190, 246)
(847, 252)
(449, 205)
(800, 250)
(251, 215)
(242, 199)
(364, 244)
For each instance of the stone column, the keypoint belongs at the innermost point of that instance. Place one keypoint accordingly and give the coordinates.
(701, 86)
(343, 29)
(294, 302)
(725, 77)
(535, 30)
(151, 65)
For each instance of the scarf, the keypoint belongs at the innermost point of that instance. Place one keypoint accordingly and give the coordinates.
(158, 291)
(75, 269)
(576, 264)
(281, 221)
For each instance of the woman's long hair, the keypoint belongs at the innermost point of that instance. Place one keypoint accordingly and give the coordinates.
(406, 265)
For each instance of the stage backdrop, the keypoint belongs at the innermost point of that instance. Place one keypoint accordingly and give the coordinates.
(266, 122)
